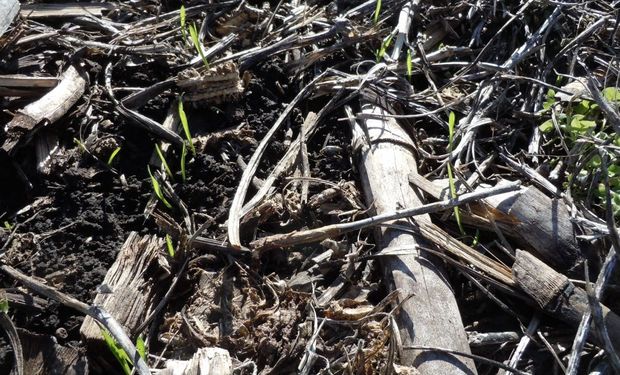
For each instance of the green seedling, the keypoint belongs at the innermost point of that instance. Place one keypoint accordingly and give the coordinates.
(409, 64)
(163, 160)
(453, 195)
(113, 155)
(119, 353)
(8, 226)
(80, 144)
(384, 46)
(182, 15)
(193, 33)
(185, 125)
(183, 156)
(170, 246)
(157, 189)
(4, 305)
(377, 11)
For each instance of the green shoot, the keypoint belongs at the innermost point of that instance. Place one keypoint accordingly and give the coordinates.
(117, 351)
(8, 226)
(113, 155)
(157, 189)
(409, 64)
(4, 305)
(80, 144)
(169, 245)
(185, 124)
(163, 160)
(453, 195)
(141, 347)
(183, 156)
(193, 33)
(384, 46)
(476, 239)
(182, 15)
(377, 11)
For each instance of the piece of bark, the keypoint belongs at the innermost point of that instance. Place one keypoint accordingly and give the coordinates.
(51, 107)
(557, 296)
(206, 361)
(43, 355)
(535, 220)
(131, 290)
(431, 316)
(542, 223)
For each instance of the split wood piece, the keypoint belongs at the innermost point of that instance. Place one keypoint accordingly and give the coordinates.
(559, 297)
(206, 361)
(34, 11)
(132, 295)
(51, 107)
(535, 220)
(8, 9)
(20, 80)
(431, 316)
(93, 311)
(44, 356)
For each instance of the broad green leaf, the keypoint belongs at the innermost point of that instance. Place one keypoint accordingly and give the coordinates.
(546, 127)
(612, 94)
(141, 347)
(117, 351)
(550, 101)
(581, 126)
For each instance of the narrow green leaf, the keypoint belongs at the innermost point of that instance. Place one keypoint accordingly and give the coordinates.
(193, 33)
(157, 189)
(185, 125)
(113, 155)
(183, 156)
(384, 46)
(170, 246)
(377, 11)
(457, 213)
(409, 64)
(163, 160)
(80, 144)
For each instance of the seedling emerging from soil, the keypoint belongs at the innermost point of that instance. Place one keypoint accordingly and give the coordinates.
(8, 226)
(185, 124)
(169, 245)
(157, 189)
(377, 11)
(121, 356)
(163, 160)
(117, 351)
(80, 144)
(4, 305)
(457, 213)
(409, 64)
(183, 156)
(193, 33)
(182, 15)
(384, 46)
(113, 155)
